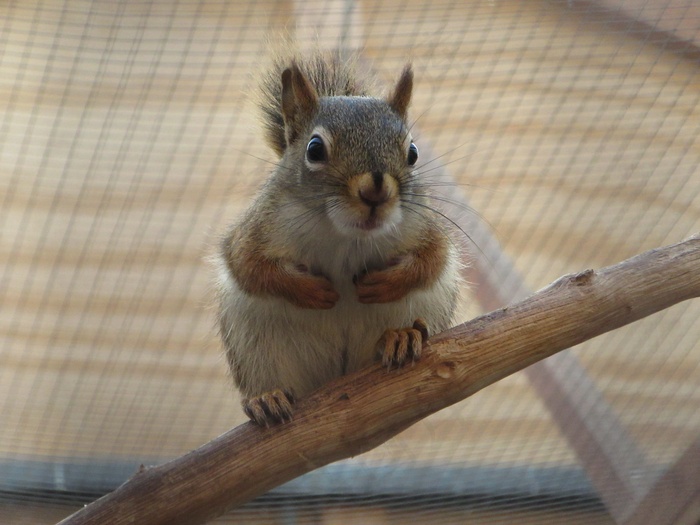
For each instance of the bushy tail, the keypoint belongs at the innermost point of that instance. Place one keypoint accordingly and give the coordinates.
(328, 72)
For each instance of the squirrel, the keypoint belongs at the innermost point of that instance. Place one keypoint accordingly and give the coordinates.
(341, 259)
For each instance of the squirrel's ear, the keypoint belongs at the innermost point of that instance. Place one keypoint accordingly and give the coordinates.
(299, 101)
(400, 98)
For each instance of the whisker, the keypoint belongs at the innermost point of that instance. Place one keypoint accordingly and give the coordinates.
(301, 221)
(307, 199)
(435, 181)
(262, 159)
(415, 120)
(454, 202)
(448, 152)
(405, 205)
(339, 175)
(420, 171)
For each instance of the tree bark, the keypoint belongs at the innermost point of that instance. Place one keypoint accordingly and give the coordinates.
(358, 412)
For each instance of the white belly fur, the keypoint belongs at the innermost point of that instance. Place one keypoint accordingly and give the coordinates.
(274, 344)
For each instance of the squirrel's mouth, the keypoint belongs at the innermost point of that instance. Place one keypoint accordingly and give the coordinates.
(370, 224)
(360, 220)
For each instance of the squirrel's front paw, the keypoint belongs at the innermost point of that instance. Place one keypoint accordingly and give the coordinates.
(269, 408)
(312, 291)
(382, 286)
(397, 346)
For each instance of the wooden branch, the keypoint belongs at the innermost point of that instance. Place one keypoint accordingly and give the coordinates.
(358, 412)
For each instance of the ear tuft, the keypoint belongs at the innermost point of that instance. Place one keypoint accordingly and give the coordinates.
(400, 98)
(299, 101)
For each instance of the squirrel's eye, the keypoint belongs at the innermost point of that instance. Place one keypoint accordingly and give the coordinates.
(316, 150)
(412, 154)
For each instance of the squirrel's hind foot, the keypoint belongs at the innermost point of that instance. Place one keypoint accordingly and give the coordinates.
(269, 408)
(397, 346)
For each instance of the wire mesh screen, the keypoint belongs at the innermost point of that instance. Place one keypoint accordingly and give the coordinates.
(128, 140)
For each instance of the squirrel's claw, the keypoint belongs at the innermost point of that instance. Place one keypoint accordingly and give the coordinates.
(397, 346)
(382, 286)
(269, 408)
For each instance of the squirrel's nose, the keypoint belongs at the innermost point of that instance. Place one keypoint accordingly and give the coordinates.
(375, 192)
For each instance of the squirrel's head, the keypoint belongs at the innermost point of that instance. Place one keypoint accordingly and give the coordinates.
(355, 154)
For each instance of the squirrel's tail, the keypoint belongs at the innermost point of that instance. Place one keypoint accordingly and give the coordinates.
(329, 73)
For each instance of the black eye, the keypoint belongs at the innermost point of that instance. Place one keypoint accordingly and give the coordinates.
(412, 154)
(316, 150)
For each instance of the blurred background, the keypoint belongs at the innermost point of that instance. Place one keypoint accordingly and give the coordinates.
(562, 135)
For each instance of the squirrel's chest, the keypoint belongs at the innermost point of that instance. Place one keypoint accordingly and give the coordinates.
(342, 261)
